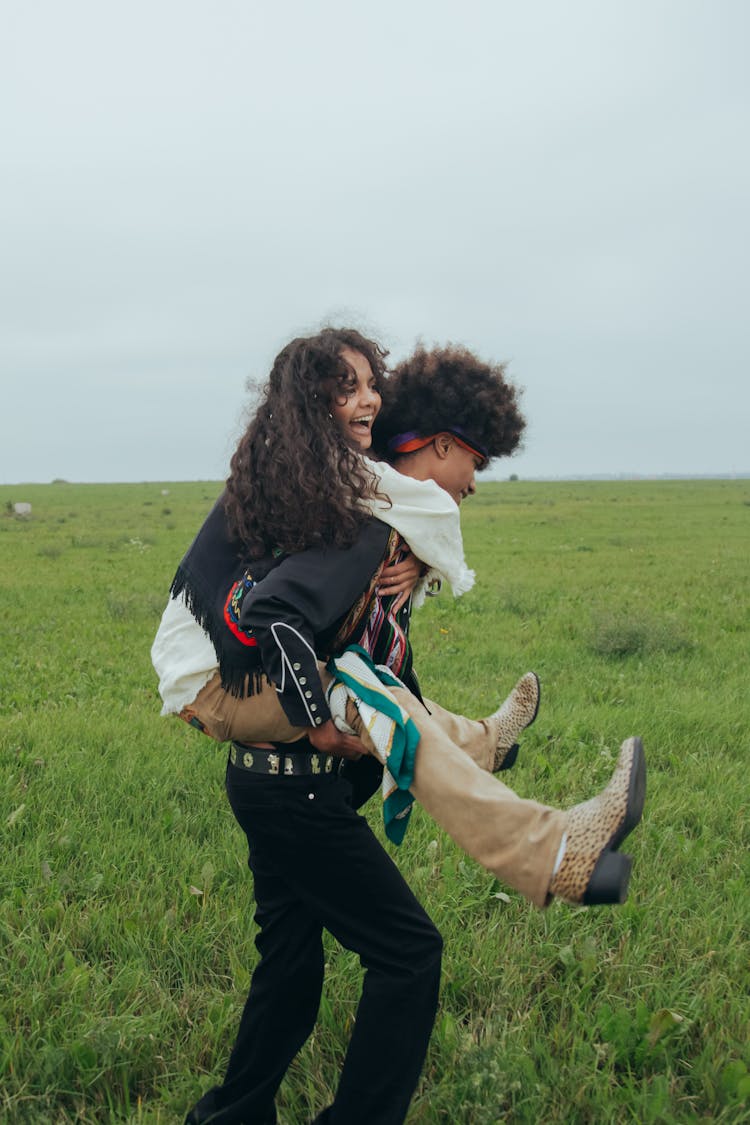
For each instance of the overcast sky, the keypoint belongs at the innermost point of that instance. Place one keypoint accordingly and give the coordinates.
(185, 186)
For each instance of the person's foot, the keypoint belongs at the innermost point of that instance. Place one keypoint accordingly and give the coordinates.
(513, 716)
(591, 871)
(205, 1110)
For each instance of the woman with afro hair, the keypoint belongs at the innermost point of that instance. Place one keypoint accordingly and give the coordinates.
(294, 603)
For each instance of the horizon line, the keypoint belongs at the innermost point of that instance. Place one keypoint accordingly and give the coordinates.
(506, 478)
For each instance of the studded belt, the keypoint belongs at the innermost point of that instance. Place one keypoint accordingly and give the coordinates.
(286, 763)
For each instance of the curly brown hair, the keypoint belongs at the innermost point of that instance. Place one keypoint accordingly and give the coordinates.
(294, 482)
(440, 389)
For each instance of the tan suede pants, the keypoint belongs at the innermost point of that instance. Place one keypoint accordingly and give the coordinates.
(257, 718)
(516, 839)
(260, 718)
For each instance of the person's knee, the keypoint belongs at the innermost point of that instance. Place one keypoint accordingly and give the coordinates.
(433, 954)
(292, 984)
(425, 959)
(412, 953)
(423, 974)
(294, 960)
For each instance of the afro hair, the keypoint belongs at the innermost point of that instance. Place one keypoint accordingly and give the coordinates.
(447, 388)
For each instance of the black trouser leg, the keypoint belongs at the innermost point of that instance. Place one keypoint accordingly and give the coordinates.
(281, 1007)
(280, 1010)
(400, 950)
(308, 846)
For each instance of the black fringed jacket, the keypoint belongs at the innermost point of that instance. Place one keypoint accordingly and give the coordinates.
(278, 615)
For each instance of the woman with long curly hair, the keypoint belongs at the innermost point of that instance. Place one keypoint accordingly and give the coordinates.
(275, 601)
(299, 479)
(295, 481)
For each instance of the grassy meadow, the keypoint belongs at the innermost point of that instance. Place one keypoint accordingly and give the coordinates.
(126, 913)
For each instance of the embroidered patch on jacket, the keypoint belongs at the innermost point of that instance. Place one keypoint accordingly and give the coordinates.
(233, 608)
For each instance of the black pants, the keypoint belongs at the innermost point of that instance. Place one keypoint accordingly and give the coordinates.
(316, 864)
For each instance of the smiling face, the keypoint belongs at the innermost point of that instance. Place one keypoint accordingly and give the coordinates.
(356, 402)
(455, 467)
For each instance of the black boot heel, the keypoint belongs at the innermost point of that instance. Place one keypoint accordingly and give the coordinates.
(510, 759)
(609, 880)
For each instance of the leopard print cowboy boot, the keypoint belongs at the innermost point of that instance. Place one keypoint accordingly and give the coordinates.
(592, 872)
(513, 716)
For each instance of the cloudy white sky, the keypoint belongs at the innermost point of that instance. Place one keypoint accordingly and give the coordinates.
(187, 185)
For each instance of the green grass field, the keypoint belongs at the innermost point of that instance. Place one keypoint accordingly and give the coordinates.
(126, 909)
